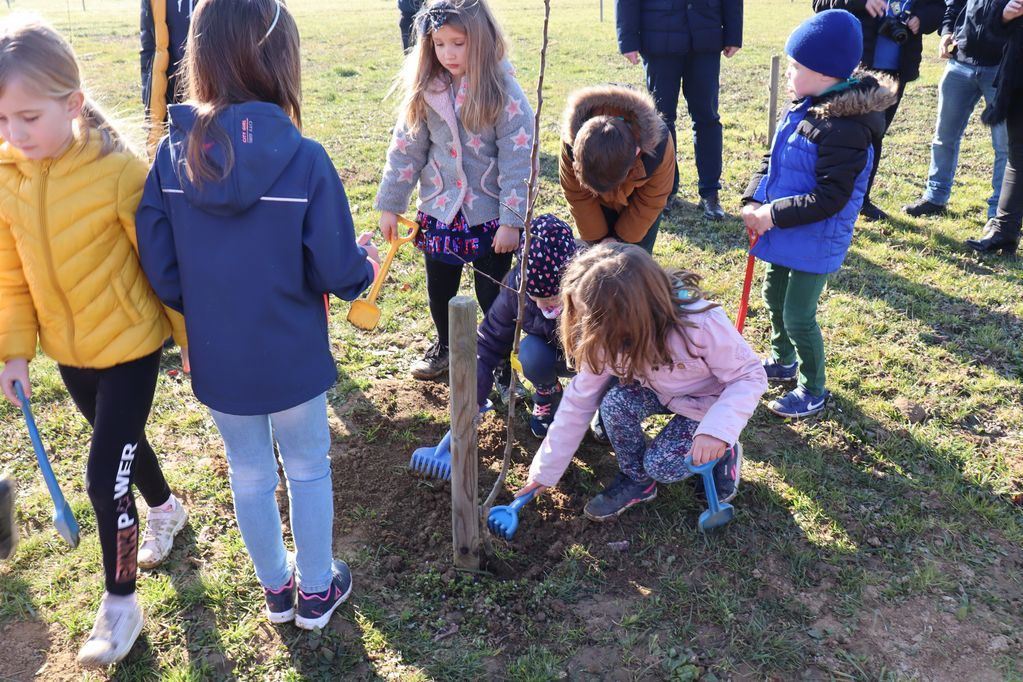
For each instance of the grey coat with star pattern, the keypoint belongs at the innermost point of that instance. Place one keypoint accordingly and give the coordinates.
(483, 173)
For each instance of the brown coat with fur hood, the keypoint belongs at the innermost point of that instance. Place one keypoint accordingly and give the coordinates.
(642, 196)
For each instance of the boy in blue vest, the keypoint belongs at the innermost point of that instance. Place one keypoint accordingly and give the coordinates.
(804, 200)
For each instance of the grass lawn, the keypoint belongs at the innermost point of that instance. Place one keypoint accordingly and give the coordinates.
(867, 546)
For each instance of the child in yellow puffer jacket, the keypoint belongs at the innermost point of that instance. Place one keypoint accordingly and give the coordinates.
(70, 277)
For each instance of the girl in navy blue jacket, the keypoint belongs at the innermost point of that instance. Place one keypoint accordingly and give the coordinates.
(804, 200)
(243, 227)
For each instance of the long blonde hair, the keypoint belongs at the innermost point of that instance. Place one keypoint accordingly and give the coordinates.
(32, 50)
(485, 74)
(620, 306)
(237, 51)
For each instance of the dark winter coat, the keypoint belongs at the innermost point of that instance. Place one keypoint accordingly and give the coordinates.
(641, 197)
(965, 21)
(816, 175)
(251, 257)
(1009, 86)
(676, 27)
(930, 12)
(163, 33)
(496, 335)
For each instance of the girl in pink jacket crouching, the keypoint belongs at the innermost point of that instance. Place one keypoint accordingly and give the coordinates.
(643, 342)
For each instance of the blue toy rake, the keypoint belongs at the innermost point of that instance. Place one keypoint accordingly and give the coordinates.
(63, 518)
(504, 519)
(436, 461)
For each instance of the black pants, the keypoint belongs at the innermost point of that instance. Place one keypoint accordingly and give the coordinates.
(116, 402)
(1010, 203)
(443, 279)
(889, 116)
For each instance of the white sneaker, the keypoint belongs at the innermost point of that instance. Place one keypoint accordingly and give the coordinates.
(118, 624)
(161, 527)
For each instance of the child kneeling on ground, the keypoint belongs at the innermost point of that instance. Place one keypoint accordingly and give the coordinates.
(543, 360)
(811, 186)
(673, 352)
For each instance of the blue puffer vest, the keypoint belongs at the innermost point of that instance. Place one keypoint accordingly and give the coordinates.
(818, 247)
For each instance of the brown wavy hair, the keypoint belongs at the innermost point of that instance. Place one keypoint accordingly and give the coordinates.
(620, 306)
(230, 59)
(34, 51)
(604, 150)
(486, 48)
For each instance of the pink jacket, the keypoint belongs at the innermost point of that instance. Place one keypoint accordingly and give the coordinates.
(719, 387)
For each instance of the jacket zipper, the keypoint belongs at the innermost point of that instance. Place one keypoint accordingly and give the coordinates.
(48, 255)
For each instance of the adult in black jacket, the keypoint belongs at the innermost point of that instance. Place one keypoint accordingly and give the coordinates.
(408, 9)
(1005, 18)
(681, 43)
(924, 16)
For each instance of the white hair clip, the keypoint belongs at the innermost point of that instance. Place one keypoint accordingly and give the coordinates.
(273, 24)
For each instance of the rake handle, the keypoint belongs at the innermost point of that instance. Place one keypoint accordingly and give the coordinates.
(386, 265)
(747, 283)
(522, 501)
(37, 445)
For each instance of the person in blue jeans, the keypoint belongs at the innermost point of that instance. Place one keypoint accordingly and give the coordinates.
(551, 248)
(681, 46)
(969, 75)
(245, 224)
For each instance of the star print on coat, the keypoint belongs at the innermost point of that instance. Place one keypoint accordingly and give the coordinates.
(513, 200)
(441, 202)
(405, 173)
(401, 143)
(513, 109)
(521, 139)
(474, 143)
(470, 198)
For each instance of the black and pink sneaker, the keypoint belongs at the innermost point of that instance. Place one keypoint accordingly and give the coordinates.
(280, 603)
(315, 610)
(619, 496)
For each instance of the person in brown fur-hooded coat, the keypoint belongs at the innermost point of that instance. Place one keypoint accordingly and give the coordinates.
(617, 164)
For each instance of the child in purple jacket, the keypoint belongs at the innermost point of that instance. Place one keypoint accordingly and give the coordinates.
(626, 317)
(551, 247)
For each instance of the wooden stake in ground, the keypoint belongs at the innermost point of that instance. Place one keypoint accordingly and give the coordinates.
(772, 105)
(533, 188)
(465, 528)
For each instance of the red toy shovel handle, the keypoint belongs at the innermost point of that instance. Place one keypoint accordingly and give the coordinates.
(747, 283)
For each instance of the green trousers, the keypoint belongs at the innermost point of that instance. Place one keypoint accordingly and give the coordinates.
(791, 296)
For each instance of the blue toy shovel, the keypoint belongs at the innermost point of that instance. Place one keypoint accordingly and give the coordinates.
(436, 461)
(504, 518)
(63, 518)
(718, 513)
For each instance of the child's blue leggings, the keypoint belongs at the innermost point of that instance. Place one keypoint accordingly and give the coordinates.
(623, 410)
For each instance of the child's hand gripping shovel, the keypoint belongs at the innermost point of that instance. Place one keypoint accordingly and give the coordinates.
(718, 513)
(364, 313)
(504, 518)
(436, 461)
(740, 318)
(63, 518)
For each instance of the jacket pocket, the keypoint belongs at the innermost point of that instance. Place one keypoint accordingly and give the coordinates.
(485, 177)
(125, 300)
(436, 180)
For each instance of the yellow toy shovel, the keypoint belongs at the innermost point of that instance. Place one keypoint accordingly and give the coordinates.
(364, 313)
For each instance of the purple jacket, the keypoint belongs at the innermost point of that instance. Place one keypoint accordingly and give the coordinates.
(496, 334)
(719, 386)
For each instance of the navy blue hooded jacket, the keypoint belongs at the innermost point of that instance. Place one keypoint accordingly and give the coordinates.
(677, 27)
(496, 334)
(247, 259)
(815, 176)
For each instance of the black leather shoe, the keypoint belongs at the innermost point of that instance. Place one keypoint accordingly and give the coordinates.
(712, 207)
(924, 209)
(993, 241)
(872, 213)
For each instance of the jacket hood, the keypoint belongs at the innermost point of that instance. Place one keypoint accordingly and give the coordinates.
(636, 107)
(263, 140)
(874, 92)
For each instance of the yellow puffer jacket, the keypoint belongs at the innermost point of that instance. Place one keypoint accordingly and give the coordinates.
(69, 267)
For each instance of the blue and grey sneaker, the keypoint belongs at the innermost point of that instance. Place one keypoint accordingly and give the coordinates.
(619, 496)
(315, 610)
(280, 603)
(799, 403)
(727, 473)
(778, 373)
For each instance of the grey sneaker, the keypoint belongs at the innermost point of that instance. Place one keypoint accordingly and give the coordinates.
(315, 609)
(433, 364)
(619, 496)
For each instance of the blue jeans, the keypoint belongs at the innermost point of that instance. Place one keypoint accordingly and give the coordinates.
(303, 439)
(961, 88)
(697, 74)
(541, 364)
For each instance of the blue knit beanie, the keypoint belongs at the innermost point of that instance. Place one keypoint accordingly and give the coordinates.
(830, 43)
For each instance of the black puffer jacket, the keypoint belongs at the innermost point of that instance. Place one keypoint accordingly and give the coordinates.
(965, 21)
(930, 12)
(1009, 86)
(677, 27)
